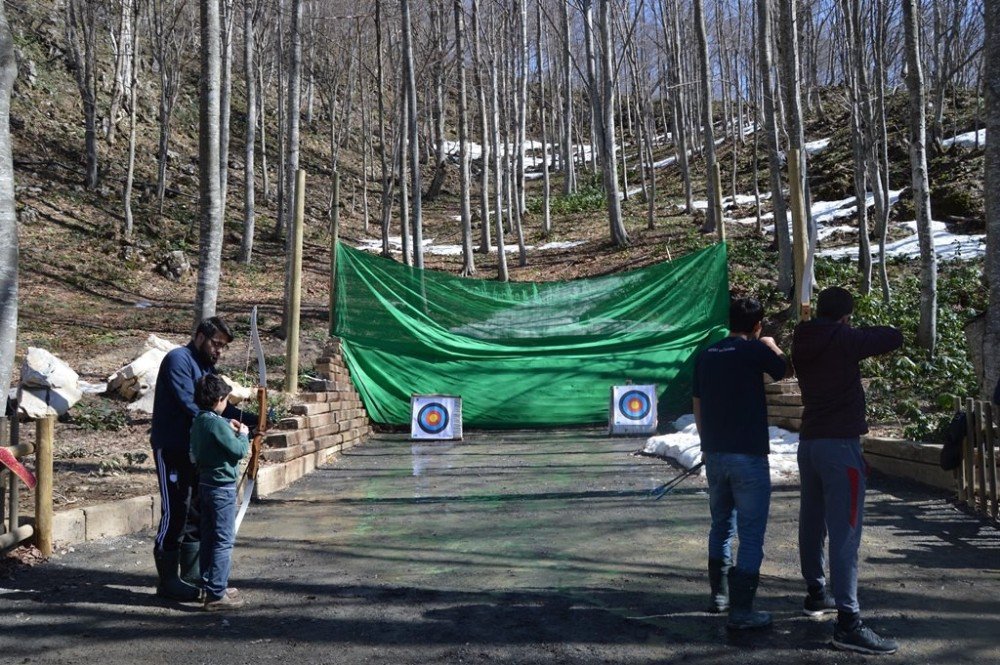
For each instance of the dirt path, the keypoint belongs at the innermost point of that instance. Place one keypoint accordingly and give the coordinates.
(519, 547)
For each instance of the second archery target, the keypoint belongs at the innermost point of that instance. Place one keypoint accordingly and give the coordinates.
(632, 410)
(436, 417)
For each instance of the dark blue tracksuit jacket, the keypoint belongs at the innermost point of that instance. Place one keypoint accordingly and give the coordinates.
(174, 408)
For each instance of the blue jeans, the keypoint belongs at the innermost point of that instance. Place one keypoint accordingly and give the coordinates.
(218, 533)
(832, 502)
(739, 496)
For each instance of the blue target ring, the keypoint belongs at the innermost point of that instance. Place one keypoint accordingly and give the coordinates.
(634, 405)
(433, 418)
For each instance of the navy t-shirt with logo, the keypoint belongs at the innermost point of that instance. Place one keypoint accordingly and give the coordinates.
(728, 380)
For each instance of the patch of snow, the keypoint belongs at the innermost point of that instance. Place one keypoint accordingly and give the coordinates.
(684, 447)
(967, 140)
(395, 245)
(947, 246)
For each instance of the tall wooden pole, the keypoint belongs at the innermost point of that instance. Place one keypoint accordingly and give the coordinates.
(717, 186)
(45, 433)
(800, 239)
(292, 343)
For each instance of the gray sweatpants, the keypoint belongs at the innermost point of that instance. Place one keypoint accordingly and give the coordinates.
(832, 473)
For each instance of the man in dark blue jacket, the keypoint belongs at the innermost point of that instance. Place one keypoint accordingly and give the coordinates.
(177, 538)
(826, 353)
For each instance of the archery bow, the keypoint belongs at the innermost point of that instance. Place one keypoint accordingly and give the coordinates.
(250, 476)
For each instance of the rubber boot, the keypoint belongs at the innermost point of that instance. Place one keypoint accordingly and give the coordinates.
(718, 579)
(742, 589)
(191, 563)
(171, 586)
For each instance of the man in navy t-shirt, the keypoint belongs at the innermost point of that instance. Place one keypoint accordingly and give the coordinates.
(730, 411)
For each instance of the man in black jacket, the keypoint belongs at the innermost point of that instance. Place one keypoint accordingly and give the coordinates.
(826, 353)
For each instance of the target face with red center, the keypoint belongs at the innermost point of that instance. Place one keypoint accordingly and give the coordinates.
(634, 405)
(436, 417)
(632, 409)
(433, 418)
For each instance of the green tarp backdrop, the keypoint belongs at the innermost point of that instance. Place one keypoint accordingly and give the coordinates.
(525, 354)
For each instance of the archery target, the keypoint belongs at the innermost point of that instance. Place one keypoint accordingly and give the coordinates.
(632, 410)
(435, 417)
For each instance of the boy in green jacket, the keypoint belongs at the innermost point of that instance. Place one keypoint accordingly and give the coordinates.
(217, 446)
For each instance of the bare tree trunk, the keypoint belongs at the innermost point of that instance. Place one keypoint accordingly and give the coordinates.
(991, 192)
(8, 212)
(927, 328)
(171, 38)
(502, 273)
(882, 143)
(468, 264)
(404, 200)
(414, 139)
(679, 101)
(265, 177)
(226, 96)
(546, 184)
(438, 111)
(569, 164)
(522, 108)
(856, 62)
(81, 37)
(250, 138)
(610, 166)
(386, 218)
(706, 108)
(210, 237)
(121, 43)
(775, 162)
(484, 181)
(133, 96)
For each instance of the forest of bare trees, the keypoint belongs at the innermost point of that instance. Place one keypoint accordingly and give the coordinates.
(603, 88)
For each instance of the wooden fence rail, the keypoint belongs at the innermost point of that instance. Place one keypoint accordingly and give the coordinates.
(12, 532)
(976, 479)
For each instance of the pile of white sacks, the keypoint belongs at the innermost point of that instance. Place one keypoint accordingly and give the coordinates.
(684, 447)
(50, 387)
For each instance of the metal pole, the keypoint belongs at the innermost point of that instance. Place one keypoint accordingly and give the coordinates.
(45, 433)
(334, 236)
(292, 354)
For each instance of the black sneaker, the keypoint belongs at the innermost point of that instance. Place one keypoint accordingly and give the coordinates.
(816, 607)
(863, 639)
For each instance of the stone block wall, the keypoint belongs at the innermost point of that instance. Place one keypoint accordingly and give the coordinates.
(327, 418)
(784, 404)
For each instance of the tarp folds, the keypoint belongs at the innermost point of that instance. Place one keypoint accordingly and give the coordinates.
(525, 354)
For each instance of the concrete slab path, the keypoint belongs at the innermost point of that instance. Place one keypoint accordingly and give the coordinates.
(511, 547)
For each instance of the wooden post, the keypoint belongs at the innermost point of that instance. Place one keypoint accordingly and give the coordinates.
(980, 461)
(957, 472)
(800, 236)
(292, 343)
(968, 453)
(991, 462)
(45, 433)
(717, 185)
(334, 236)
